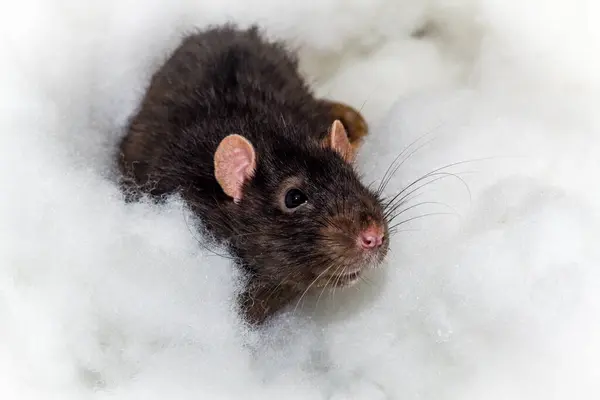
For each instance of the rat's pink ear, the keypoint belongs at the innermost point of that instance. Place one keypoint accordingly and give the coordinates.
(337, 139)
(235, 162)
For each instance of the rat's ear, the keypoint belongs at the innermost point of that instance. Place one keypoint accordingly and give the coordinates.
(337, 139)
(235, 164)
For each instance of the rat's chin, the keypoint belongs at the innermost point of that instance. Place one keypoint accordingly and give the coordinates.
(339, 280)
(348, 277)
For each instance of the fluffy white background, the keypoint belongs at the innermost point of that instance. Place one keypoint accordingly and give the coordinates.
(496, 298)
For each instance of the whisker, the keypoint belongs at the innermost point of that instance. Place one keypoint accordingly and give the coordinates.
(272, 292)
(438, 171)
(335, 284)
(395, 166)
(309, 286)
(418, 217)
(402, 197)
(396, 201)
(406, 199)
(421, 204)
(395, 231)
(365, 280)
(326, 286)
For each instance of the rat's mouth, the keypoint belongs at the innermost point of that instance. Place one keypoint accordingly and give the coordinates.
(343, 279)
(347, 279)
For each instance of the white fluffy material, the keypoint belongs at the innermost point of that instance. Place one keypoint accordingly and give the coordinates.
(494, 295)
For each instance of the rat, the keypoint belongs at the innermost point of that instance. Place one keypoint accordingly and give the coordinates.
(230, 124)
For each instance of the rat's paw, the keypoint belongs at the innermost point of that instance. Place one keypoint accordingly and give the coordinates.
(353, 121)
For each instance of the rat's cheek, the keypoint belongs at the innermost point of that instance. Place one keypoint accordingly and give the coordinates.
(338, 247)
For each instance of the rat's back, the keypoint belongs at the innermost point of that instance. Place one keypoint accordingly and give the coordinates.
(227, 72)
(218, 81)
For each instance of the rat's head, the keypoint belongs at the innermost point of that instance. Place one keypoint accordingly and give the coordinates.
(299, 214)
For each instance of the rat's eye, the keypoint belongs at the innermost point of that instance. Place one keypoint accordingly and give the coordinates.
(294, 198)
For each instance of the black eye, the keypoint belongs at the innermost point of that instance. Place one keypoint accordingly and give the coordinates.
(294, 198)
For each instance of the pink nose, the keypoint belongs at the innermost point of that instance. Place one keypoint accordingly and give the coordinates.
(371, 238)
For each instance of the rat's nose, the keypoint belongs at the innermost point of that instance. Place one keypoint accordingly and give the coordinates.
(370, 238)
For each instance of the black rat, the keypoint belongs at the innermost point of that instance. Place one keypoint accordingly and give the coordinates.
(229, 123)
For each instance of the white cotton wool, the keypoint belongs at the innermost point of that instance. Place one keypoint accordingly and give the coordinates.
(491, 288)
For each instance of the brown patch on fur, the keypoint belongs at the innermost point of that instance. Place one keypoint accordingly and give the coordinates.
(337, 139)
(355, 124)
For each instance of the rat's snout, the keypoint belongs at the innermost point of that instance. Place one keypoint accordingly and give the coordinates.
(371, 238)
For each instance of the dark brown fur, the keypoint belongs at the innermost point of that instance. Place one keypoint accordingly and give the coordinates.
(223, 81)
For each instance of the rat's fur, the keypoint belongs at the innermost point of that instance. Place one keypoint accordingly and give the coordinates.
(224, 81)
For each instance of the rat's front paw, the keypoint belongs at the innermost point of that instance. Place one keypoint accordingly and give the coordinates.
(353, 121)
